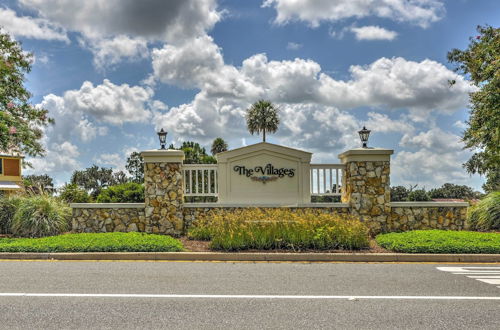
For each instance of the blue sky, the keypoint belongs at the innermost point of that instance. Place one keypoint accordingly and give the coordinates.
(112, 73)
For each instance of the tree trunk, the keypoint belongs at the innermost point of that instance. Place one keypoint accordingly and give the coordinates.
(264, 135)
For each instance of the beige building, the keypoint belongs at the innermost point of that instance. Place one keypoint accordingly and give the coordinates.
(10, 173)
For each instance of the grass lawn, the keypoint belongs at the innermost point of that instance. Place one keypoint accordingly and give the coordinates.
(101, 242)
(440, 241)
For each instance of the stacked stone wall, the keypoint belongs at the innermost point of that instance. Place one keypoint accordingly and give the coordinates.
(164, 198)
(413, 218)
(102, 220)
(366, 187)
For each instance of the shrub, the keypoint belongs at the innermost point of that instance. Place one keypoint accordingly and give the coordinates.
(101, 242)
(419, 195)
(280, 229)
(72, 193)
(399, 194)
(485, 215)
(440, 241)
(40, 215)
(129, 192)
(8, 207)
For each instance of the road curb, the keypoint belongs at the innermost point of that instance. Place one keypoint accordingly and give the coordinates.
(242, 256)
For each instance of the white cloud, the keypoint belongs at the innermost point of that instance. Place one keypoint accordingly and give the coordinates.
(60, 158)
(383, 124)
(314, 12)
(293, 46)
(114, 160)
(30, 27)
(121, 29)
(437, 159)
(373, 33)
(110, 103)
(111, 51)
(460, 124)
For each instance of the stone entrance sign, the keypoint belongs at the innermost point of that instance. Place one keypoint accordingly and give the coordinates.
(264, 173)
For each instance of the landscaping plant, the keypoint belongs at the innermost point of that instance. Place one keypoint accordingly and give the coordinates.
(256, 228)
(440, 241)
(8, 207)
(92, 242)
(485, 215)
(40, 215)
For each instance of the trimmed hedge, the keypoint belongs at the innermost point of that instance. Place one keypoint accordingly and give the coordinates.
(440, 241)
(263, 229)
(100, 242)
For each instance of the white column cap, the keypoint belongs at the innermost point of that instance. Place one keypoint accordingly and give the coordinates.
(366, 154)
(163, 156)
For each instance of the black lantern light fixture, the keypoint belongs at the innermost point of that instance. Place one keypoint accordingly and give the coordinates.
(363, 135)
(162, 135)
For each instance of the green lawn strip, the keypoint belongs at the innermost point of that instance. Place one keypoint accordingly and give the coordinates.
(101, 242)
(440, 241)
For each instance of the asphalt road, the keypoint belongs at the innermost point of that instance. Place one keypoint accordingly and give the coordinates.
(204, 295)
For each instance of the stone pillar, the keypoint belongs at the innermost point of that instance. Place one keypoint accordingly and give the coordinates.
(366, 185)
(163, 191)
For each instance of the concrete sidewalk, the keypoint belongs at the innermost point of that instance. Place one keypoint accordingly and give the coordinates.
(242, 256)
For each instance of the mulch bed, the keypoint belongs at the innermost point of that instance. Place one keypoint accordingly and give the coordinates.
(203, 246)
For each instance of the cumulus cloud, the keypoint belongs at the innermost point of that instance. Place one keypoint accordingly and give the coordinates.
(314, 12)
(436, 158)
(373, 33)
(60, 158)
(111, 51)
(30, 27)
(117, 29)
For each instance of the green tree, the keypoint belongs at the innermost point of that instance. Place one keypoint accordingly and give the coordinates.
(129, 192)
(262, 116)
(135, 166)
(480, 62)
(20, 122)
(450, 190)
(194, 153)
(39, 184)
(219, 145)
(418, 195)
(399, 194)
(95, 178)
(72, 193)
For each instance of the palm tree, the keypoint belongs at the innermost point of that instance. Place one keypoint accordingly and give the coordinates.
(262, 116)
(219, 145)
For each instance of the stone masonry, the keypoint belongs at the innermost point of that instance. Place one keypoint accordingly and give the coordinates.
(109, 219)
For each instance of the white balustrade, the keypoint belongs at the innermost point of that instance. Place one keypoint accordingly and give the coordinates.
(326, 179)
(200, 179)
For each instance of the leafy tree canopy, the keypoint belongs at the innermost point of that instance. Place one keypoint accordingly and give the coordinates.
(20, 122)
(219, 145)
(72, 193)
(481, 63)
(39, 184)
(135, 166)
(450, 190)
(262, 116)
(95, 178)
(194, 153)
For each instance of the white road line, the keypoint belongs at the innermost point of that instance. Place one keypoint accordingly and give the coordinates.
(210, 296)
(489, 281)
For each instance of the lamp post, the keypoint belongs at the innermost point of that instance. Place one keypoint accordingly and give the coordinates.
(363, 135)
(162, 135)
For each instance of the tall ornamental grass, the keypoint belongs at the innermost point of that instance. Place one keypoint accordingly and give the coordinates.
(485, 215)
(266, 229)
(40, 215)
(8, 207)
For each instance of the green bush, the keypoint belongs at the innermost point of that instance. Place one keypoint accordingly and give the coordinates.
(440, 241)
(419, 195)
(72, 193)
(485, 215)
(8, 207)
(130, 192)
(101, 242)
(280, 229)
(40, 215)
